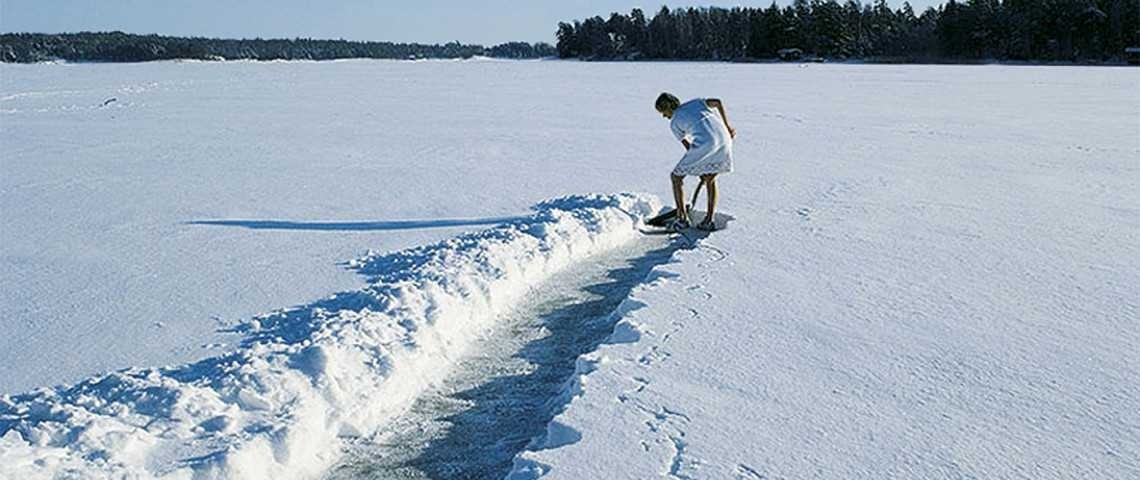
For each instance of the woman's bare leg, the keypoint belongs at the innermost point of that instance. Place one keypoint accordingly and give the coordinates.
(710, 184)
(679, 196)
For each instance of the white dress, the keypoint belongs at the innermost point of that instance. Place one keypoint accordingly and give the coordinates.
(710, 144)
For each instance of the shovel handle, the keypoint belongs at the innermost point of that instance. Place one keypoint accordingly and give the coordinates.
(697, 192)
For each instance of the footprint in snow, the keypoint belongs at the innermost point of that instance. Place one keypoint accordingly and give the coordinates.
(745, 472)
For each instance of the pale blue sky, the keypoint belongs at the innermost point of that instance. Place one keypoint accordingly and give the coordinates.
(427, 21)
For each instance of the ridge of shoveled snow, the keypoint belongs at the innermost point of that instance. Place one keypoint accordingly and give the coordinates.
(302, 377)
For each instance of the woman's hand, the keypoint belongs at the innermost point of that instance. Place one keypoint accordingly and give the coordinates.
(732, 132)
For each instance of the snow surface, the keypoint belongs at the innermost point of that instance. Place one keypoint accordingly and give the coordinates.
(933, 271)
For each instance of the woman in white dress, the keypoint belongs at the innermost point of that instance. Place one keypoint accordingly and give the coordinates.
(702, 127)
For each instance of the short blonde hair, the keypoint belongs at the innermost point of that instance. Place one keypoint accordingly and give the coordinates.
(667, 101)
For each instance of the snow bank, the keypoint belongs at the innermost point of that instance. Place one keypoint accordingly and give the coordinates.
(306, 376)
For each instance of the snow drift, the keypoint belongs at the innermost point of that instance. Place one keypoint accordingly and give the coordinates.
(303, 377)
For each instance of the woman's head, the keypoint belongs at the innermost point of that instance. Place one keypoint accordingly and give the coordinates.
(666, 104)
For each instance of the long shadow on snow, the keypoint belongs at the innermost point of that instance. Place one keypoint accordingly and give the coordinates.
(355, 226)
(508, 411)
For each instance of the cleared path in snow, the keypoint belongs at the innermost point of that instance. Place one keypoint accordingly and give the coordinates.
(508, 389)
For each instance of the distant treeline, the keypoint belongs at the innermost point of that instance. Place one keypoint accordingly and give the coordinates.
(124, 47)
(1009, 30)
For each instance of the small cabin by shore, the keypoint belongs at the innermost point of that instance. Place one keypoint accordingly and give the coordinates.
(790, 54)
(1132, 55)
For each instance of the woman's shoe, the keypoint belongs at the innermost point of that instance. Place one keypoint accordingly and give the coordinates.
(707, 225)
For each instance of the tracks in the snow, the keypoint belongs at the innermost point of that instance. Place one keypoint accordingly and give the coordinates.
(508, 389)
(664, 428)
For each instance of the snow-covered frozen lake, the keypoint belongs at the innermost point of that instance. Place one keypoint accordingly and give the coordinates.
(934, 271)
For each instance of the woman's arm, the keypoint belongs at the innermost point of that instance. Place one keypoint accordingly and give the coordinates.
(717, 104)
